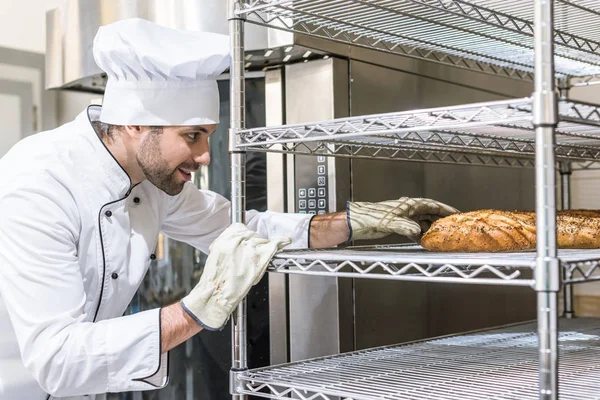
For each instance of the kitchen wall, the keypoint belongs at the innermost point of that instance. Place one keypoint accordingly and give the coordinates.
(585, 193)
(23, 24)
(25, 106)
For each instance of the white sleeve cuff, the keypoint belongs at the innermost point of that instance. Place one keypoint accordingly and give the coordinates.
(134, 358)
(271, 225)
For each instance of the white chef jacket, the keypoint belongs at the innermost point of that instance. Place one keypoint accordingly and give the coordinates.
(76, 240)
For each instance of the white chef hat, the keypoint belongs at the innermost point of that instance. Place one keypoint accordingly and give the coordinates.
(159, 76)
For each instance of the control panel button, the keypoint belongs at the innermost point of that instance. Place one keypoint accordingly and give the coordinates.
(322, 203)
(312, 212)
(321, 170)
(321, 181)
(321, 159)
(302, 212)
(312, 192)
(312, 204)
(302, 204)
(321, 212)
(301, 193)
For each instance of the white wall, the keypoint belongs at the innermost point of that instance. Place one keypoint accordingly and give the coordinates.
(11, 122)
(70, 104)
(23, 27)
(23, 23)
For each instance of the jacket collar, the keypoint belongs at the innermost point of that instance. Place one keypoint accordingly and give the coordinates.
(109, 174)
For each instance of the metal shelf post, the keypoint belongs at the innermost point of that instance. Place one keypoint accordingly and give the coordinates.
(566, 170)
(564, 85)
(238, 179)
(545, 118)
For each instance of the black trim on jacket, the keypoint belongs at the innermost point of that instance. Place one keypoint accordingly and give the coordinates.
(159, 357)
(100, 212)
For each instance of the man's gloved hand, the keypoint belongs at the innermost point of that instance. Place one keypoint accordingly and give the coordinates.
(237, 260)
(410, 217)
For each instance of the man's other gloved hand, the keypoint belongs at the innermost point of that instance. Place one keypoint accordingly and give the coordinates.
(410, 217)
(237, 260)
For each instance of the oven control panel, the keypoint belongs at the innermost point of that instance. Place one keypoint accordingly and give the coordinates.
(311, 185)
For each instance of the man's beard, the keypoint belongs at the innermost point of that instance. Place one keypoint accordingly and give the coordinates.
(155, 167)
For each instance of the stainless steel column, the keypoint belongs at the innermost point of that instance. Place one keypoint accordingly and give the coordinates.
(547, 269)
(565, 185)
(238, 178)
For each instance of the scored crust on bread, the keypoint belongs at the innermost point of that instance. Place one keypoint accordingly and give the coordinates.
(497, 230)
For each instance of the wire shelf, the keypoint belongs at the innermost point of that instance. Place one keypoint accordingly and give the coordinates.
(413, 263)
(589, 80)
(586, 269)
(494, 133)
(493, 364)
(493, 36)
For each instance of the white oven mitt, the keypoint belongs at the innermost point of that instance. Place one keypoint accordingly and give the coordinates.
(409, 217)
(237, 260)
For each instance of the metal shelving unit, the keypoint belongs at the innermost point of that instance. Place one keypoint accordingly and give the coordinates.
(516, 39)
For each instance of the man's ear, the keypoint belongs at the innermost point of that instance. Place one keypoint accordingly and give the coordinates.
(134, 131)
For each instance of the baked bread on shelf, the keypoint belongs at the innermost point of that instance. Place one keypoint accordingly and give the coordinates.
(497, 230)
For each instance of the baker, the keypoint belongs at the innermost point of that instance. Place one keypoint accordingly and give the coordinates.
(81, 208)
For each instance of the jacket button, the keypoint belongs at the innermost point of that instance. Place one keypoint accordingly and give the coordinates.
(108, 213)
(136, 200)
(114, 275)
(153, 257)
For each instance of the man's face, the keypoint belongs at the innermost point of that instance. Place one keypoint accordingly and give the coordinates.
(168, 155)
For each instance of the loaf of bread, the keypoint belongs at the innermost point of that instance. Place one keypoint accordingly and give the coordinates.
(495, 230)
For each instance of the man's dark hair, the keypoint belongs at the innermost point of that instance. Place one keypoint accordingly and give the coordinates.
(108, 131)
(104, 130)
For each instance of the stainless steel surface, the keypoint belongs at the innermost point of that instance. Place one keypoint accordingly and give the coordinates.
(71, 28)
(274, 104)
(499, 133)
(566, 170)
(322, 306)
(484, 35)
(238, 180)
(547, 272)
(276, 201)
(421, 68)
(495, 364)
